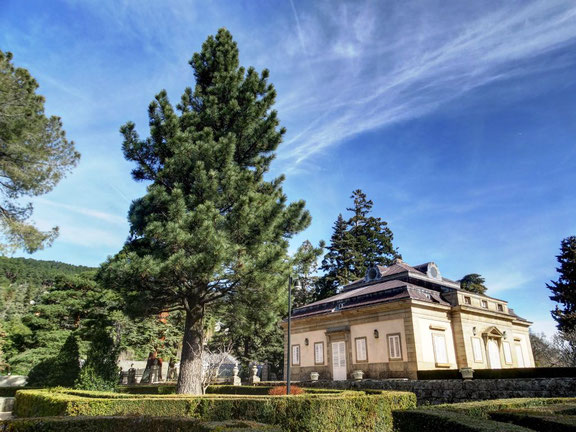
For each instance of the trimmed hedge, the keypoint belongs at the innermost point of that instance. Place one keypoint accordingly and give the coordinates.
(482, 416)
(123, 424)
(539, 372)
(347, 411)
(441, 421)
(534, 420)
(215, 389)
(482, 409)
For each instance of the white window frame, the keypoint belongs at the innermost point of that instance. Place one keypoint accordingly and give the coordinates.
(477, 349)
(318, 353)
(295, 355)
(440, 346)
(520, 359)
(507, 349)
(361, 344)
(394, 346)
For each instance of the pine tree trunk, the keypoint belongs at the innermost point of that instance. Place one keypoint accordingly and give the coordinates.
(190, 378)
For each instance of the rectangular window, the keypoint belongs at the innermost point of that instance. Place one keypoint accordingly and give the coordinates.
(295, 355)
(394, 347)
(467, 300)
(507, 352)
(500, 308)
(484, 304)
(440, 351)
(477, 349)
(319, 353)
(520, 356)
(361, 350)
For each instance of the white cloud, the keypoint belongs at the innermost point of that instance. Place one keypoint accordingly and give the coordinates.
(416, 59)
(92, 213)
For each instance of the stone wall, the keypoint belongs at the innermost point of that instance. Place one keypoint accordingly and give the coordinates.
(449, 391)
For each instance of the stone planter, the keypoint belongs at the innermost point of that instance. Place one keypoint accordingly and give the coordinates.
(467, 373)
(358, 375)
(314, 376)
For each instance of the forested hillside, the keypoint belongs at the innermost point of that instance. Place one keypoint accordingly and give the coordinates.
(44, 302)
(23, 280)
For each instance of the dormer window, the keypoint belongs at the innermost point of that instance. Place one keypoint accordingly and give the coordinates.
(500, 308)
(484, 304)
(433, 272)
(372, 273)
(467, 300)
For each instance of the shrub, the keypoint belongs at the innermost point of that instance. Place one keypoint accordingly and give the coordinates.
(61, 370)
(434, 420)
(535, 420)
(122, 424)
(100, 371)
(282, 390)
(483, 408)
(347, 411)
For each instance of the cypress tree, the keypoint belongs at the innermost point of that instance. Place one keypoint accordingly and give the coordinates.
(564, 289)
(209, 225)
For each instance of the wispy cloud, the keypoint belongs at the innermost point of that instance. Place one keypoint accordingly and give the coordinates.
(415, 60)
(92, 213)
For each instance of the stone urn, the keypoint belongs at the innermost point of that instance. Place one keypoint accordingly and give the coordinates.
(467, 373)
(358, 375)
(314, 376)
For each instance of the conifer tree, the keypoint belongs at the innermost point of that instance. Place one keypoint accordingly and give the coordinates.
(304, 268)
(356, 244)
(337, 263)
(209, 225)
(473, 282)
(564, 289)
(34, 157)
(371, 237)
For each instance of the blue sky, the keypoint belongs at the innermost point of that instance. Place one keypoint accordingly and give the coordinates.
(458, 119)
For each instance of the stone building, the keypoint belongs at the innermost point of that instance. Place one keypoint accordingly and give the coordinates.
(402, 319)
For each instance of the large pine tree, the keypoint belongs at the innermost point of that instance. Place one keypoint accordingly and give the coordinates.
(210, 225)
(564, 289)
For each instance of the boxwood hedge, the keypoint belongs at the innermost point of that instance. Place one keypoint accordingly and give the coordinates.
(123, 424)
(480, 416)
(325, 412)
(542, 421)
(441, 421)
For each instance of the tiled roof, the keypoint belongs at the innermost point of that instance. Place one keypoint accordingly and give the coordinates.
(382, 292)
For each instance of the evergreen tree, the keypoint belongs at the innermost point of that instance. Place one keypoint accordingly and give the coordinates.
(473, 282)
(356, 244)
(210, 225)
(35, 156)
(100, 371)
(61, 370)
(337, 263)
(304, 268)
(564, 289)
(371, 237)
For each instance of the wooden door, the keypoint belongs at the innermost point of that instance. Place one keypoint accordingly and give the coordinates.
(339, 361)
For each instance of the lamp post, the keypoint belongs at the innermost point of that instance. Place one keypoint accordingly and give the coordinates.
(289, 350)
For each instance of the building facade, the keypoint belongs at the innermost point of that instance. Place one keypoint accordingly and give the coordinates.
(401, 319)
